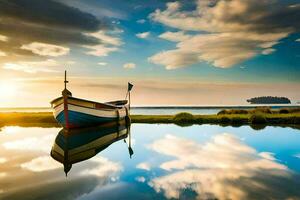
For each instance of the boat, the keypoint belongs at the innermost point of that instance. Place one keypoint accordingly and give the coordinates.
(71, 112)
(76, 145)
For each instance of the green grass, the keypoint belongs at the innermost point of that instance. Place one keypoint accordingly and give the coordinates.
(45, 119)
(257, 119)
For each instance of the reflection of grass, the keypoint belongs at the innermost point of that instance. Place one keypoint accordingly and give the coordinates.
(45, 119)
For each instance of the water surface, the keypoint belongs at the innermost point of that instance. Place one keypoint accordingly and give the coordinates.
(200, 161)
(169, 110)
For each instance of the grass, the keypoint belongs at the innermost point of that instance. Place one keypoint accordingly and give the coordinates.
(261, 110)
(257, 117)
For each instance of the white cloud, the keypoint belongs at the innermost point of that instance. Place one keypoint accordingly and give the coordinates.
(298, 40)
(144, 166)
(3, 38)
(129, 65)
(141, 21)
(104, 168)
(214, 168)
(33, 67)
(39, 164)
(2, 53)
(268, 51)
(143, 35)
(140, 179)
(108, 44)
(45, 49)
(297, 155)
(222, 38)
(102, 63)
(31, 144)
(2, 160)
(106, 39)
(175, 36)
(101, 50)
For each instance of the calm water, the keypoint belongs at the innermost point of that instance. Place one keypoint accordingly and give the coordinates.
(200, 161)
(166, 110)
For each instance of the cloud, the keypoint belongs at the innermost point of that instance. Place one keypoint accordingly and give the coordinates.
(106, 39)
(140, 179)
(3, 38)
(31, 144)
(2, 160)
(298, 40)
(224, 38)
(33, 66)
(44, 49)
(174, 36)
(297, 155)
(50, 22)
(144, 166)
(102, 63)
(109, 44)
(143, 35)
(268, 51)
(42, 163)
(223, 168)
(103, 168)
(129, 65)
(2, 53)
(100, 50)
(141, 21)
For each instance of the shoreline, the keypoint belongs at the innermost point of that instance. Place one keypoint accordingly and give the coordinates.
(46, 119)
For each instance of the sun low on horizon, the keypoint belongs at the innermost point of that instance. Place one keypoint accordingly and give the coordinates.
(173, 52)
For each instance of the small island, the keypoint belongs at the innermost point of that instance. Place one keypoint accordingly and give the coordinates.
(269, 100)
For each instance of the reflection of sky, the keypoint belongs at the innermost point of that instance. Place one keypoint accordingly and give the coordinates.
(168, 161)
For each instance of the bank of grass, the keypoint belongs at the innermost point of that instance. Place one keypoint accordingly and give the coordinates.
(258, 118)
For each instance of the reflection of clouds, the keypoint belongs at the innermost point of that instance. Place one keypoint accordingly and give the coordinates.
(42, 163)
(103, 168)
(144, 165)
(10, 130)
(27, 151)
(217, 169)
(31, 143)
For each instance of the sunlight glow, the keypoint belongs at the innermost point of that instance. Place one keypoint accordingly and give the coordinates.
(7, 89)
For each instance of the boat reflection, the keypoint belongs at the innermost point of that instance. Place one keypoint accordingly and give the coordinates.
(77, 145)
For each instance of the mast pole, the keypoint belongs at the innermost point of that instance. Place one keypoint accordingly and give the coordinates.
(65, 79)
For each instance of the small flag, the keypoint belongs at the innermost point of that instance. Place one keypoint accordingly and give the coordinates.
(130, 86)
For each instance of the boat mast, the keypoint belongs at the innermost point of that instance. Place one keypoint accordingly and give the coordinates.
(66, 80)
(66, 92)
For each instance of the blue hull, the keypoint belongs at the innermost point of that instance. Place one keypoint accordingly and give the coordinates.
(77, 119)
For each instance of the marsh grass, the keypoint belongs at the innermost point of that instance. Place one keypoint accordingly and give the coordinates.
(184, 117)
(45, 119)
(260, 110)
(257, 119)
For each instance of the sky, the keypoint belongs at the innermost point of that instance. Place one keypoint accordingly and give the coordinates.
(199, 52)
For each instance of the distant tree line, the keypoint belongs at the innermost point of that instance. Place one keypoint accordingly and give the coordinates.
(269, 100)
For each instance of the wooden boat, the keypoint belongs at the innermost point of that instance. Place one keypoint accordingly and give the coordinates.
(73, 112)
(76, 145)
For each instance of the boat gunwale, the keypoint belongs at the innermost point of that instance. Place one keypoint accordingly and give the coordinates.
(84, 100)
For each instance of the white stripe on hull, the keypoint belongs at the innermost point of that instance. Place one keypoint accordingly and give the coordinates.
(109, 113)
